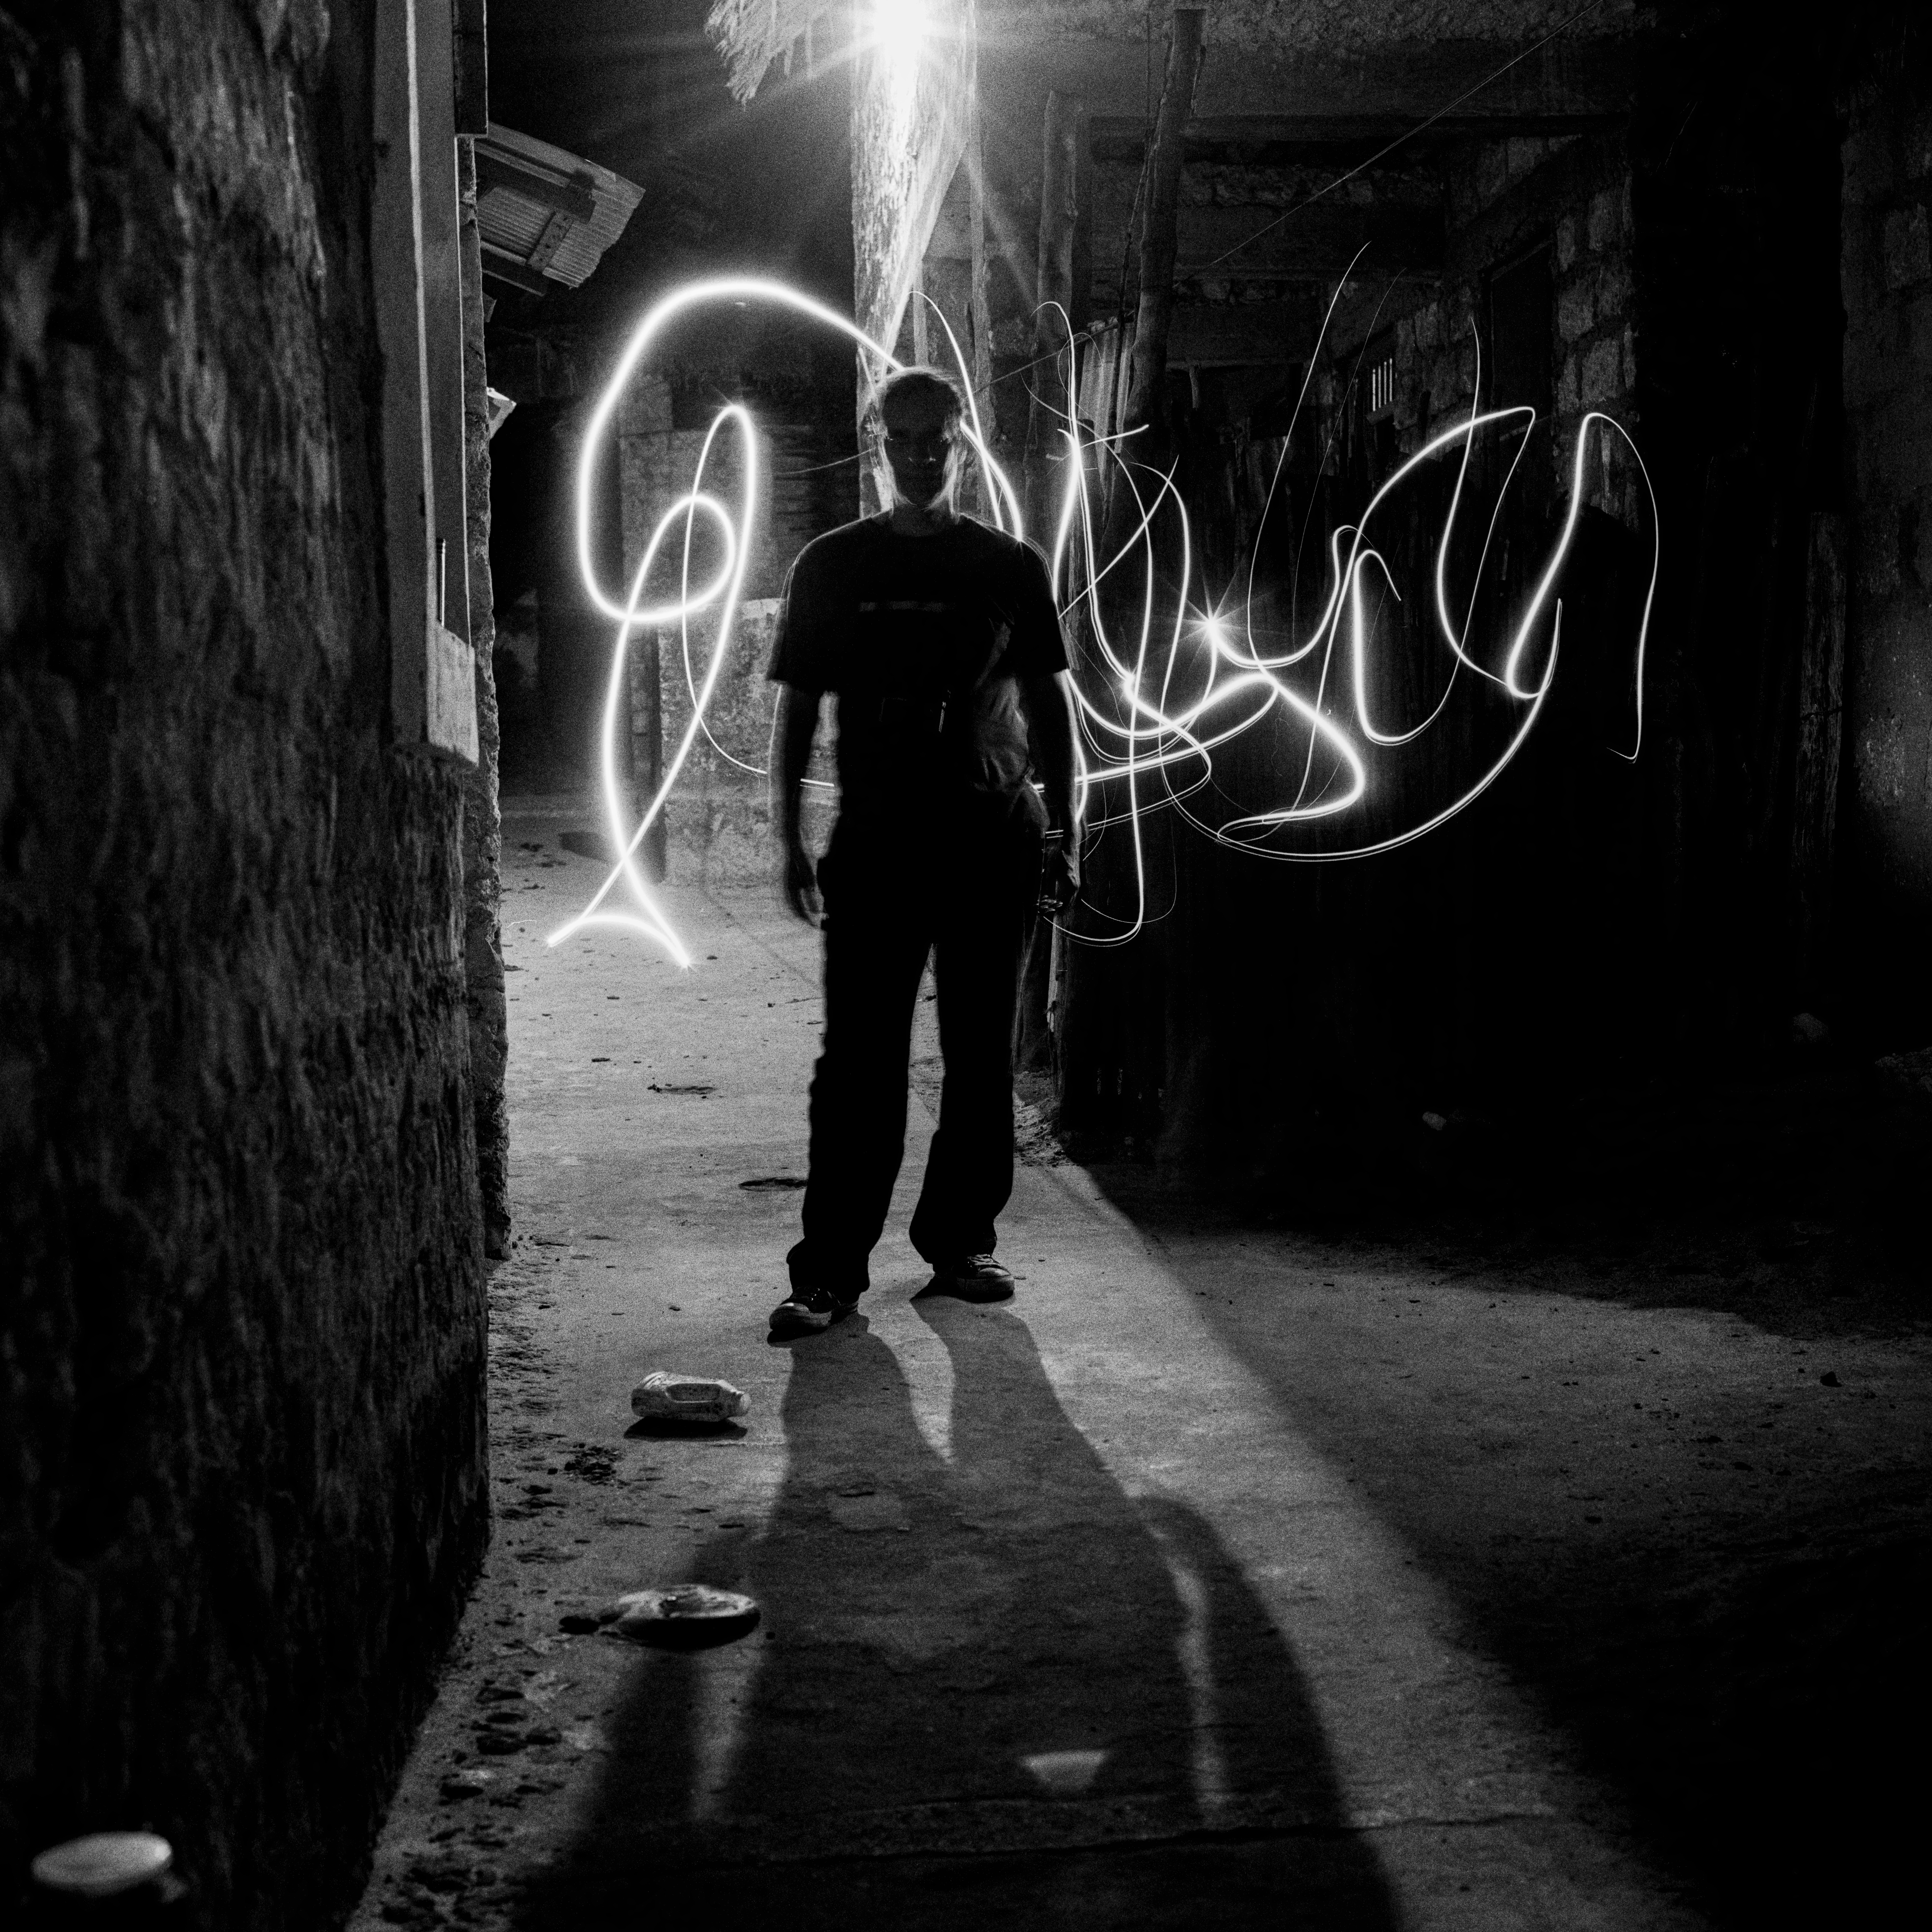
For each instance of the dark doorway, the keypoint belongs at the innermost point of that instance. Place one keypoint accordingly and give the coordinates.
(1521, 320)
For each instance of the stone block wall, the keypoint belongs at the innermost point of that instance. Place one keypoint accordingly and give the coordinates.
(241, 1312)
(717, 824)
(1887, 287)
(717, 818)
(482, 818)
(1504, 199)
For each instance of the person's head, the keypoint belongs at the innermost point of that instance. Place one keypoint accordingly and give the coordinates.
(917, 417)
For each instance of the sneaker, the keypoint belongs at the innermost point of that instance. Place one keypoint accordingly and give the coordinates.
(973, 1278)
(803, 1313)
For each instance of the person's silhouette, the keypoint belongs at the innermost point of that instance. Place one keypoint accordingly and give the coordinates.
(940, 637)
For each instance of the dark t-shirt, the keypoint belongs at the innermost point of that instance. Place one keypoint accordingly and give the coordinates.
(926, 642)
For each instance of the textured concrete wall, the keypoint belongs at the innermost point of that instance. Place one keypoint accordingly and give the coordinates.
(241, 1322)
(1887, 283)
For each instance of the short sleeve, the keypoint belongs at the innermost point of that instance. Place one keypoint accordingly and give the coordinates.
(1037, 647)
(802, 651)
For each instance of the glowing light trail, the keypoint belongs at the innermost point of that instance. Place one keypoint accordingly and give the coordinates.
(1152, 713)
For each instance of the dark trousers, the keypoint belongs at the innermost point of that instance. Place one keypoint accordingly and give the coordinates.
(966, 895)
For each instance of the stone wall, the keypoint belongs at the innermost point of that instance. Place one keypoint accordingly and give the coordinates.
(482, 819)
(1504, 199)
(1887, 284)
(717, 825)
(241, 1317)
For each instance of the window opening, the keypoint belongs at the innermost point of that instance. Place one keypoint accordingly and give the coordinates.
(1382, 385)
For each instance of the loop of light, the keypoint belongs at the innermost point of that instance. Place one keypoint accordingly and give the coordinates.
(1135, 731)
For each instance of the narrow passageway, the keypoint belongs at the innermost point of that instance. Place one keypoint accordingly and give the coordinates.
(1226, 1575)
(1451, 768)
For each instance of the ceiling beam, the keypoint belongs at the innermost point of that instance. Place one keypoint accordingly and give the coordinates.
(1314, 244)
(1223, 334)
(1289, 138)
(1388, 89)
(499, 264)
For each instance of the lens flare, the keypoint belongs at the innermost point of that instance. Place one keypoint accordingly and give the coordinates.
(1186, 676)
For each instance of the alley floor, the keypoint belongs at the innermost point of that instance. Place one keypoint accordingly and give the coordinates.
(1230, 1575)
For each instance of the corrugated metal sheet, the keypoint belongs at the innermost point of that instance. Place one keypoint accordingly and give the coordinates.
(557, 243)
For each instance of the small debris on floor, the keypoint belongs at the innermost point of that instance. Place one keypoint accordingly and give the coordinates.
(689, 1616)
(666, 1395)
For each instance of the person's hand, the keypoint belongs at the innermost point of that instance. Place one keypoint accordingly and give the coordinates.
(1060, 877)
(801, 882)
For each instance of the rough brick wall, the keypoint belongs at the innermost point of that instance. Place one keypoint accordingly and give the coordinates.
(1887, 285)
(241, 1322)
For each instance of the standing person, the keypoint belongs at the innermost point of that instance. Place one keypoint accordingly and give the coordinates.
(940, 639)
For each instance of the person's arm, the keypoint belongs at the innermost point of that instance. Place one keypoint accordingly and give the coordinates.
(792, 728)
(1049, 709)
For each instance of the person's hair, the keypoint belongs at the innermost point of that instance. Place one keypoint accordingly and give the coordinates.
(918, 380)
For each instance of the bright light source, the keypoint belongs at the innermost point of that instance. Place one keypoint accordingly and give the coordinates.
(898, 31)
(899, 27)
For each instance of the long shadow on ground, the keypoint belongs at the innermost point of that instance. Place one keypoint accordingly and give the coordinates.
(990, 1684)
(1728, 1621)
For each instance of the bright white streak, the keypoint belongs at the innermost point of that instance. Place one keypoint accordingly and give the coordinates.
(693, 294)
(728, 586)
(738, 551)
(1168, 739)
(1149, 737)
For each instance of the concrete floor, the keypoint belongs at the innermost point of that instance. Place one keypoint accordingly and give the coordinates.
(1229, 1576)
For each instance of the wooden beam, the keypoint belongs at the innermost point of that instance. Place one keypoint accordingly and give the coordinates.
(502, 266)
(472, 67)
(1298, 139)
(1053, 277)
(1392, 85)
(905, 154)
(1158, 236)
(1314, 245)
(1053, 297)
(1206, 335)
(1821, 676)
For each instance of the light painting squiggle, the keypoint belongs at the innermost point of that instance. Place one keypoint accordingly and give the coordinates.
(1140, 737)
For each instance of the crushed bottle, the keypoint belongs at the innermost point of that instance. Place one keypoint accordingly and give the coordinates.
(667, 1395)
